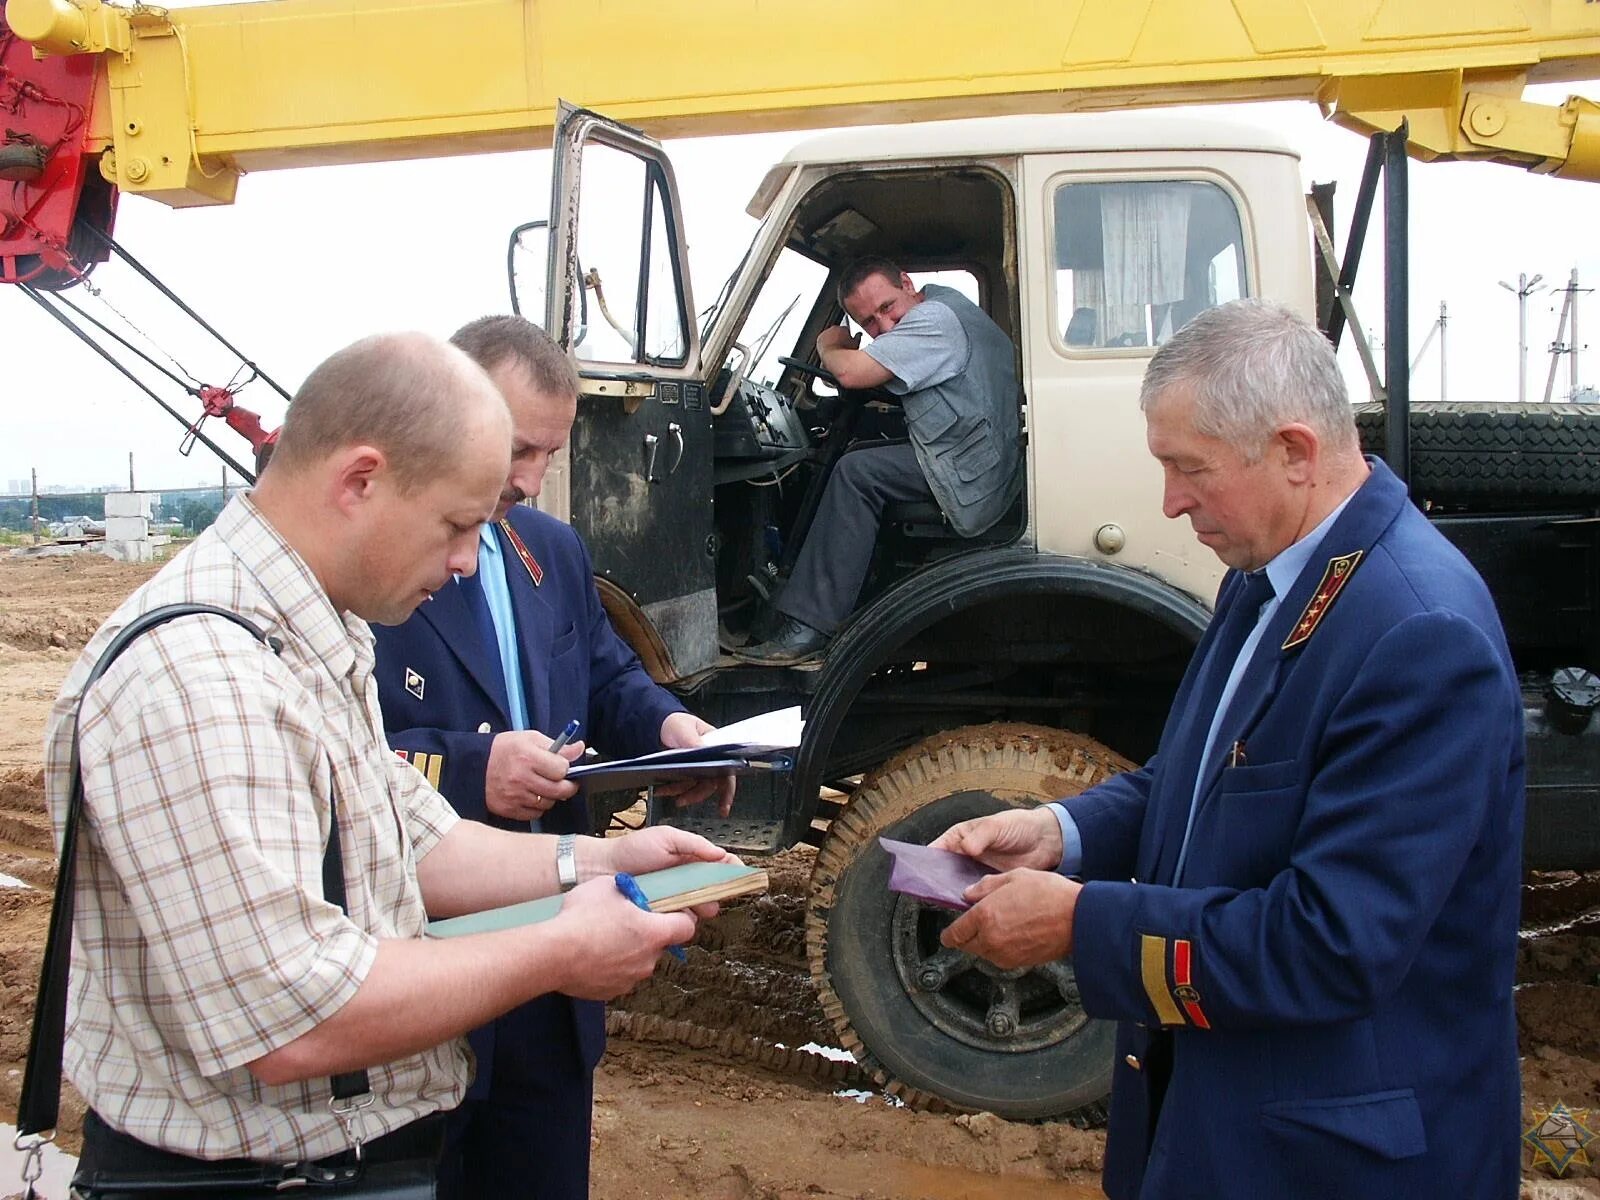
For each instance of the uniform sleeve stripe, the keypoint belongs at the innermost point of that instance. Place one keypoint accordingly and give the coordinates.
(1181, 984)
(1153, 972)
(435, 766)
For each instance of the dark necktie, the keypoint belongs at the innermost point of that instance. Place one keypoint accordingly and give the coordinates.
(1237, 620)
(472, 591)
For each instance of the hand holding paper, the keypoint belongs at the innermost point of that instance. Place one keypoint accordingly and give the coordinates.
(682, 730)
(933, 876)
(721, 752)
(1011, 838)
(1018, 919)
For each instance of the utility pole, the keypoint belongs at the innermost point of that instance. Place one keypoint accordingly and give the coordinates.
(1437, 328)
(35, 506)
(1572, 328)
(1566, 327)
(1525, 288)
(131, 488)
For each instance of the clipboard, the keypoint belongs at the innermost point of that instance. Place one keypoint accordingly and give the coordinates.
(630, 774)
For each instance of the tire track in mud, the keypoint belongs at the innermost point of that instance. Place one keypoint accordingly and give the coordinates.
(745, 992)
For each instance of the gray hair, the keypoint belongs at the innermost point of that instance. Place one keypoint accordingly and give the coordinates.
(403, 393)
(1253, 366)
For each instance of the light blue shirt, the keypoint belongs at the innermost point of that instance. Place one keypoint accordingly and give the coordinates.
(1282, 572)
(497, 591)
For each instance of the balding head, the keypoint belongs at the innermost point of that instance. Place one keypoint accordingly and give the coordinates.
(405, 394)
(391, 458)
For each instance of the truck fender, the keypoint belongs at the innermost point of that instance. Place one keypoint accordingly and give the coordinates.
(946, 589)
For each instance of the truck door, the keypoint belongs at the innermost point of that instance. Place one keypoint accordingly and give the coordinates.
(617, 296)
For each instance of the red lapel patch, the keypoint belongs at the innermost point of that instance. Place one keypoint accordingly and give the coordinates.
(1333, 580)
(535, 571)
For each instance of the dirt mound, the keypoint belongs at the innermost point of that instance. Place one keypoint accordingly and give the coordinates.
(23, 822)
(63, 630)
(60, 602)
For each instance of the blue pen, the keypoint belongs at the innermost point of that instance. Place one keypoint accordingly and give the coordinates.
(565, 736)
(629, 887)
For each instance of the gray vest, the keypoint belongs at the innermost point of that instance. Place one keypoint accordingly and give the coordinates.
(965, 429)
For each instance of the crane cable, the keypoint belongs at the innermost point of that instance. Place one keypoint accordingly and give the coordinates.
(194, 434)
(57, 306)
(150, 278)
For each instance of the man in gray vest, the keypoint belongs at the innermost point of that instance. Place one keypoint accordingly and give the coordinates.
(956, 374)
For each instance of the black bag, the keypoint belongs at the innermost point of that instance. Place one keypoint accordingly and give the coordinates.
(405, 1179)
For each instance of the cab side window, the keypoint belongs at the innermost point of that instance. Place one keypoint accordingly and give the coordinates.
(1134, 261)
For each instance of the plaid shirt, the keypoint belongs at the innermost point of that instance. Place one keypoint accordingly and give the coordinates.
(201, 938)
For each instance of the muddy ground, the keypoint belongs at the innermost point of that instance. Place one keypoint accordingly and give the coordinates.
(696, 1095)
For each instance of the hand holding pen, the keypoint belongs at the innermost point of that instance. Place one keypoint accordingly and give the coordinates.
(527, 775)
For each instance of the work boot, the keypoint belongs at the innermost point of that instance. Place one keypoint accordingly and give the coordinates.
(794, 642)
(769, 622)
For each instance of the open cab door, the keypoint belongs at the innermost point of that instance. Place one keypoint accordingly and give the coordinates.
(617, 297)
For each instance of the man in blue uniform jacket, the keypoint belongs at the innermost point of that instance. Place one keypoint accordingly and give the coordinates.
(1303, 909)
(471, 686)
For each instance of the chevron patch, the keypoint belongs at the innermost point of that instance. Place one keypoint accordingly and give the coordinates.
(1334, 578)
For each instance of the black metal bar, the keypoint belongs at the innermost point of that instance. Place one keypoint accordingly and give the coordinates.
(1360, 218)
(38, 298)
(1327, 285)
(1397, 306)
(176, 299)
(641, 300)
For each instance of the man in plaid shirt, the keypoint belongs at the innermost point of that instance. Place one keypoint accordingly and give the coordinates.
(214, 990)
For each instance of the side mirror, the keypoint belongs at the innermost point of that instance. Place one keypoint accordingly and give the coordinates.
(527, 259)
(527, 267)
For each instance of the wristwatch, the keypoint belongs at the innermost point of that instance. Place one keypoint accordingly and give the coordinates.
(567, 861)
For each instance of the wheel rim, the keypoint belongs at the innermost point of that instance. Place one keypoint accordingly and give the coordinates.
(974, 1001)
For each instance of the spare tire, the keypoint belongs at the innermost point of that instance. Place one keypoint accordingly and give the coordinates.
(1519, 455)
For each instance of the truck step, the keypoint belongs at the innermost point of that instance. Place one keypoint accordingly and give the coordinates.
(742, 837)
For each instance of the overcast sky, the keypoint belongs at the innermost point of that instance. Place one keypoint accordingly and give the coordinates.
(307, 261)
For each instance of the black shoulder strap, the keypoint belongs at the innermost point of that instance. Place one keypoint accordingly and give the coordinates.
(41, 1081)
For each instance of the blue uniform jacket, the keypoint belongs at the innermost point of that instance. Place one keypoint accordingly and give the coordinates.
(1334, 974)
(442, 706)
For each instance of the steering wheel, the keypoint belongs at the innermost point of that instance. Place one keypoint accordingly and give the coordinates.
(815, 370)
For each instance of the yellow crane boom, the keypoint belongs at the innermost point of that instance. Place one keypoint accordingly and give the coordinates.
(189, 100)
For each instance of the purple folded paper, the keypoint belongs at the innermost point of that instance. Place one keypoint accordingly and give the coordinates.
(933, 876)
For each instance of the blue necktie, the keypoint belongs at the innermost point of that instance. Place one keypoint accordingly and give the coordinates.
(472, 591)
(1244, 610)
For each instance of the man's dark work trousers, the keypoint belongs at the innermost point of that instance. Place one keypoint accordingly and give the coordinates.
(837, 552)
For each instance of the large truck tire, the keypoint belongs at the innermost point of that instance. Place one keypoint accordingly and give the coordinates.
(1516, 454)
(935, 1027)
